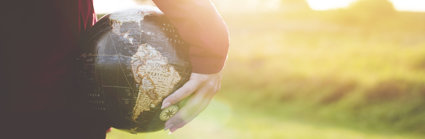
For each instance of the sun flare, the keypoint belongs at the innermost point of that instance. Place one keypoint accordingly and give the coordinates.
(328, 4)
(108, 6)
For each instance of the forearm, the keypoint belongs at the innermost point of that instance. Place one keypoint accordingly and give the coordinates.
(201, 26)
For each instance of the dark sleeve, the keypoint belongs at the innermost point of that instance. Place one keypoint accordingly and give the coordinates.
(201, 26)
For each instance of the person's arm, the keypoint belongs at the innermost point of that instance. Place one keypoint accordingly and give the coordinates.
(200, 25)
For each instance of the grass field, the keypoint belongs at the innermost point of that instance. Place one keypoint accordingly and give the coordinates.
(326, 75)
(223, 121)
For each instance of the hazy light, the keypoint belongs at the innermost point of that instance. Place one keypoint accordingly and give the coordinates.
(401, 5)
(108, 6)
(409, 5)
(329, 4)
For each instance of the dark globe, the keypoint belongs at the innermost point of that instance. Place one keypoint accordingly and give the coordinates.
(132, 60)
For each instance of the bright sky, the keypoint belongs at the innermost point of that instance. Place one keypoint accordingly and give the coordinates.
(409, 5)
(328, 4)
(401, 5)
(107, 6)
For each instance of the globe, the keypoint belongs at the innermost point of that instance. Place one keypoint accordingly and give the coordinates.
(132, 60)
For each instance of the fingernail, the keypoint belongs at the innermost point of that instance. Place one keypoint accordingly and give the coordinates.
(166, 104)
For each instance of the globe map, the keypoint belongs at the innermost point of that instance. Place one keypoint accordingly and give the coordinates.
(132, 60)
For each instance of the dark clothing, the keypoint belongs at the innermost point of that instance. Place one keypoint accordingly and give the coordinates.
(38, 44)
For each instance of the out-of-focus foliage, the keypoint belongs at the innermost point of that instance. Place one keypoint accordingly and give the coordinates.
(320, 67)
(294, 5)
(360, 67)
(367, 12)
(373, 7)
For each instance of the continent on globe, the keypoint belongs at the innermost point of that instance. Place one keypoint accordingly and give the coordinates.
(154, 77)
(130, 62)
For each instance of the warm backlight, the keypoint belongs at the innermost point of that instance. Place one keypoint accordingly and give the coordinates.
(328, 4)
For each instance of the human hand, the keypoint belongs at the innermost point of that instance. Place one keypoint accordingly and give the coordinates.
(201, 88)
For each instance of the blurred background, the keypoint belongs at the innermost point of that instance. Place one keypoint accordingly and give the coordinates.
(313, 69)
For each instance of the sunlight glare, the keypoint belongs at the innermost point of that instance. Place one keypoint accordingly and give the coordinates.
(108, 6)
(329, 4)
(409, 5)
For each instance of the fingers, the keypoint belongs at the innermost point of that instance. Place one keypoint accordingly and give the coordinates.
(203, 87)
(193, 107)
(187, 89)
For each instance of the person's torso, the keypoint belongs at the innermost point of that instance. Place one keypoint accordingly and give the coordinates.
(38, 44)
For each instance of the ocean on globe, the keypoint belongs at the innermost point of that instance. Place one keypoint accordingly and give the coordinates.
(132, 60)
